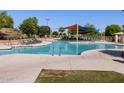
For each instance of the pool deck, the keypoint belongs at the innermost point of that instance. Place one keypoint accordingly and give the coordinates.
(24, 68)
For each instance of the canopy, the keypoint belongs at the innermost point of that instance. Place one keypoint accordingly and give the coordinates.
(119, 33)
(81, 29)
(76, 27)
(73, 27)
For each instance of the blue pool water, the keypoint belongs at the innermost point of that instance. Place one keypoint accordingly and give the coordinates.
(61, 47)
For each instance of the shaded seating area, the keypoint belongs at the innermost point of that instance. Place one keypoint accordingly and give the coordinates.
(119, 37)
(75, 27)
(82, 33)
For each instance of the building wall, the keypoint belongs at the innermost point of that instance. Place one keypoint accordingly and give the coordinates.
(6, 30)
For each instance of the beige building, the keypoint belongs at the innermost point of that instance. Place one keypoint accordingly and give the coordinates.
(119, 37)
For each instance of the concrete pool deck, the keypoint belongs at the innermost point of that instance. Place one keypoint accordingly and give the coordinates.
(24, 68)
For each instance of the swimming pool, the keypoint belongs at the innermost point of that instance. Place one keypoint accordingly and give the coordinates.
(62, 47)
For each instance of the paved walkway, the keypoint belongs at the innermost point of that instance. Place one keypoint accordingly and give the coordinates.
(25, 68)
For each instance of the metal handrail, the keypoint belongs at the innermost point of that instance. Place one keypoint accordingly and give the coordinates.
(52, 49)
(60, 51)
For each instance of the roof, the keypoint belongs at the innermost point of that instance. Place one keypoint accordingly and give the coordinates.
(80, 28)
(73, 27)
(119, 33)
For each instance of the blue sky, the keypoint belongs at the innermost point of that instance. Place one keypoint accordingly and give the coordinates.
(58, 18)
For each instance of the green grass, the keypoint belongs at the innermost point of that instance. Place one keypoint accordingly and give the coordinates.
(79, 76)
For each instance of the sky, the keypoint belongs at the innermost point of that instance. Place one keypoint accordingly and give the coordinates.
(62, 18)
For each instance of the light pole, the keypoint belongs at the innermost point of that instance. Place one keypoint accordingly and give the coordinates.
(77, 26)
(47, 20)
(47, 23)
(77, 33)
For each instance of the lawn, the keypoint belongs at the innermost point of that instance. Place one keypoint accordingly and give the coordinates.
(79, 76)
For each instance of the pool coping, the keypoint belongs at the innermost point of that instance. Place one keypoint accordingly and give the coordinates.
(47, 43)
(102, 42)
(98, 50)
(82, 53)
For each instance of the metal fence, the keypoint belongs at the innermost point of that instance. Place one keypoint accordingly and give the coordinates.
(96, 37)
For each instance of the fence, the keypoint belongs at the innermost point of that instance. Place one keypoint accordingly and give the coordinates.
(96, 37)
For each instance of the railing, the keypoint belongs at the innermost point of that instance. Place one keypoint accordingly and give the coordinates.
(60, 48)
(94, 37)
(53, 50)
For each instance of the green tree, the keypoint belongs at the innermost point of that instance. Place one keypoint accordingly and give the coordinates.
(123, 28)
(55, 33)
(90, 27)
(112, 29)
(29, 26)
(5, 20)
(44, 30)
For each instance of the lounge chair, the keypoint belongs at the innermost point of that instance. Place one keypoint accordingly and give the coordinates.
(122, 54)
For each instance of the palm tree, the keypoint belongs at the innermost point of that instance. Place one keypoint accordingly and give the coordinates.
(61, 31)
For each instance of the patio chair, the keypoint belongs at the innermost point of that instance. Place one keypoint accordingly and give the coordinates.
(122, 54)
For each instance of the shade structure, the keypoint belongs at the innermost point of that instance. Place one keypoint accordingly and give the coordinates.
(119, 33)
(73, 27)
(81, 29)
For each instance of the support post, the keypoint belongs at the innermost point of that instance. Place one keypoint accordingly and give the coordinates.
(77, 34)
(116, 38)
(77, 40)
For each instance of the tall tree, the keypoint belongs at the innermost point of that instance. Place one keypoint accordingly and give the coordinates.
(29, 26)
(44, 30)
(5, 20)
(90, 27)
(123, 28)
(112, 29)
